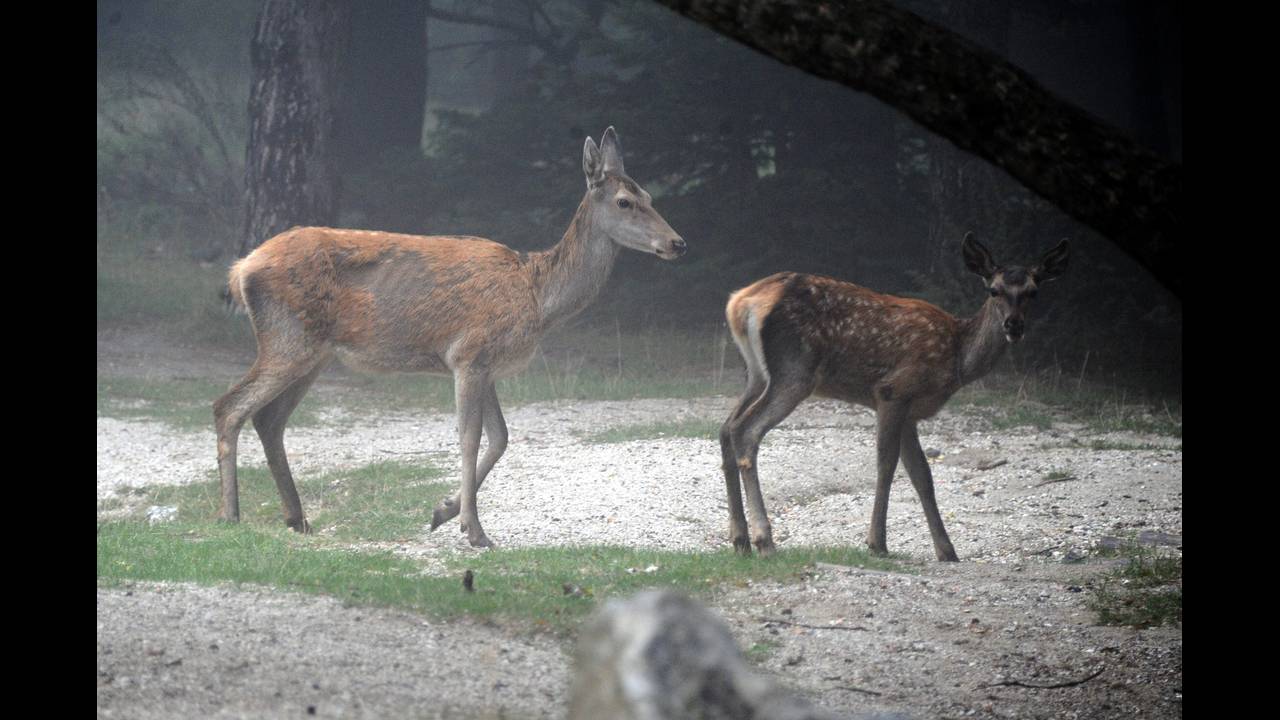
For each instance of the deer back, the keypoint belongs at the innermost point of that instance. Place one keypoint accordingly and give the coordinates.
(389, 301)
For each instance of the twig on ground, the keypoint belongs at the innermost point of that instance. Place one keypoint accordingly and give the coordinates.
(991, 465)
(812, 627)
(1069, 683)
(1056, 480)
(851, 688)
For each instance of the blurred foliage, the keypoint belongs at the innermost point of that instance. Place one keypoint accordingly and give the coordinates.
(759, 167)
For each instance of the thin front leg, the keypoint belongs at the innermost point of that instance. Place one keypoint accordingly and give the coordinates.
(495, 429)
(270, 424)
(922, 478)
(469, 389)
(890, 417)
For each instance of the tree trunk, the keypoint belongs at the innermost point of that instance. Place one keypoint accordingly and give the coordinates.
(295, 54)
(978, 101)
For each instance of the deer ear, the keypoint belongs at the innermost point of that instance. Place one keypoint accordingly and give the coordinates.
(611, 150)
(592, 163)
(1054, 262)
(977, 258)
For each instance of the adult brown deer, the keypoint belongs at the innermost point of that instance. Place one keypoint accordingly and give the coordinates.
(806, 334)
(436, 304)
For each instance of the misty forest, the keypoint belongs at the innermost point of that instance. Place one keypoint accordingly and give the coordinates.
(905, 146)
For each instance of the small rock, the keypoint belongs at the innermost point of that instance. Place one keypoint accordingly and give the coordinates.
(161, 514)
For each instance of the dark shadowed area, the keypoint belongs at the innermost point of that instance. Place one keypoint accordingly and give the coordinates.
(469, 118)
(953, 489)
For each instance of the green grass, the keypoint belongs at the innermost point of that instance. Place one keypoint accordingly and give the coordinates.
(525, 585)
(169, 295)
(691, 428)
(1145, 592)
(1099, 444)
(384, 501)
(411, 393)
(392, 501)
(184, 403)
(761, 651)
(1008, 402)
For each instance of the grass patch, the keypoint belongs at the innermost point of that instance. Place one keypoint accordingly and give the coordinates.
(385, 501)
(1022, 415)
(1099, 444)
(549, 588)
(1028, 401)
(761, 651)
(172, 295)
(1145, 592)
(692, 428)
(184, 403)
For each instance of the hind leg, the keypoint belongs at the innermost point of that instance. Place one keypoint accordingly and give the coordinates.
(263, 384)
(270, 423)
(786, 389)
(729, 464)
(287, 354)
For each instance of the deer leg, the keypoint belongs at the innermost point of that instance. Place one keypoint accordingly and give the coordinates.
(470, 391)
(729, 463)
(782, 394)
(922, 478)
(495, 429)
(890, 418)
(270, 423)
(259, 387)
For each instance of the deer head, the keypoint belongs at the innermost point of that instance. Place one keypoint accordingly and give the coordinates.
(620, 207)
(1012, 288)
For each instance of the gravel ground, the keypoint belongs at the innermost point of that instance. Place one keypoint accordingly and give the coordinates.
(924, 644)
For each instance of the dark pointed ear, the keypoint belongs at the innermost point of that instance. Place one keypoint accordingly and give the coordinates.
(611, 151)
(976, 257)
(592, 163)
(1053, 264)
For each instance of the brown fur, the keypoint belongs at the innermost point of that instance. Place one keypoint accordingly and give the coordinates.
(902, 357)
(440, 304)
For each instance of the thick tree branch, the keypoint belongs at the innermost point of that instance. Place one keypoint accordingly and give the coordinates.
(978, 101)
(525, 33)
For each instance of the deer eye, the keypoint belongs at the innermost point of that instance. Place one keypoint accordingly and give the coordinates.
(624, 203)
(994, 292)
(1032, 293)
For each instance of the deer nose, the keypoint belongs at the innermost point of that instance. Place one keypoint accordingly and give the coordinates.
(677, 246)
(1014, 327)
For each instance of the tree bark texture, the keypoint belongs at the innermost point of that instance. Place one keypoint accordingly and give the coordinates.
(290, 179)
(978, 101)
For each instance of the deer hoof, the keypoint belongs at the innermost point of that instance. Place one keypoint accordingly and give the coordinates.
(947, 555)
(443, 513)
(766, 546)
(300, 525)
(480, 542)
(742, 546)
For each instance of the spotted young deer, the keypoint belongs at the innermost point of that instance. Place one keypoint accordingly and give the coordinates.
(805, 334)
(437, 304)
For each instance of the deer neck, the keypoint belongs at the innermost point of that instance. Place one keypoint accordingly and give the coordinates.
(568, 276)
(982, 343)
